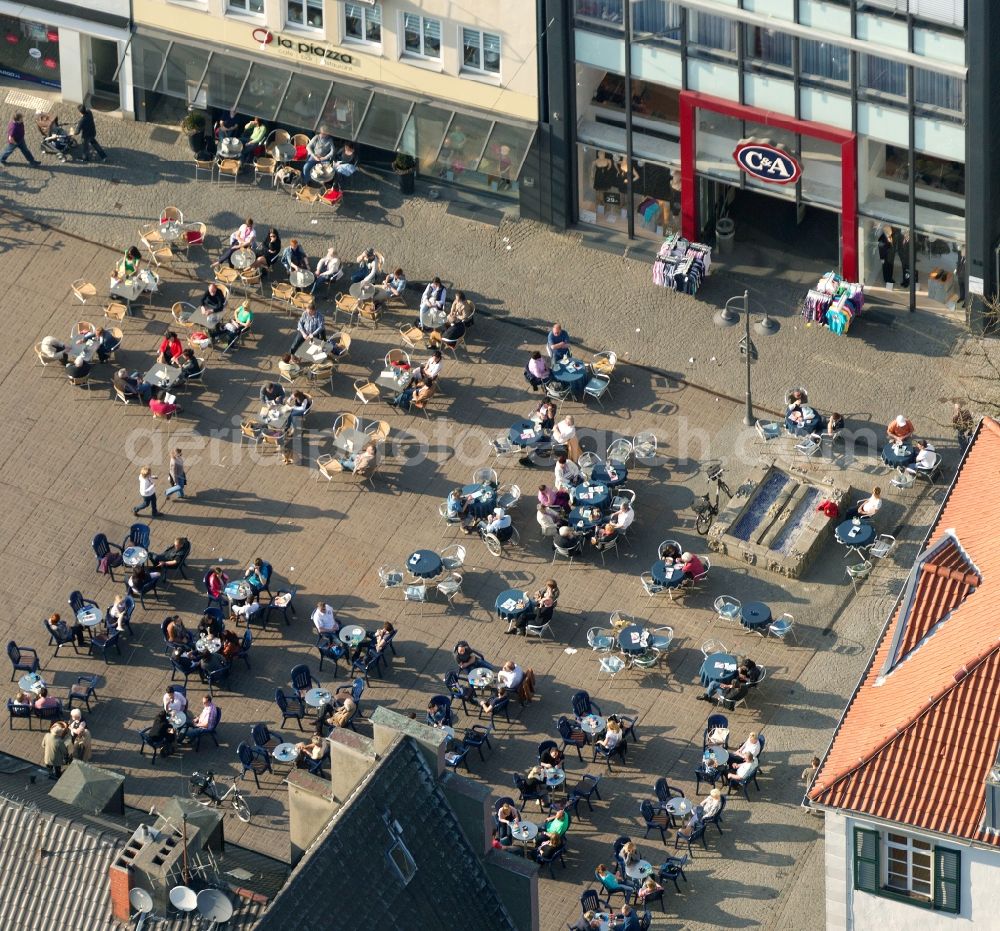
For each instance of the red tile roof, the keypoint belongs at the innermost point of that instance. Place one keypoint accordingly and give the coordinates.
(923, 728)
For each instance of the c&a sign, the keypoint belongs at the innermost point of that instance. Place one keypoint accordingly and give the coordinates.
(767, 162)
(296, 47)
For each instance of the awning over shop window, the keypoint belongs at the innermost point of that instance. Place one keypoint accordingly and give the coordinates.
(440, 138)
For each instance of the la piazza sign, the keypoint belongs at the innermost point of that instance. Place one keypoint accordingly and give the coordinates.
(304, 50)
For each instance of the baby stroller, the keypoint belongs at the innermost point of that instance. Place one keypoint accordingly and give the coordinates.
(55, 139)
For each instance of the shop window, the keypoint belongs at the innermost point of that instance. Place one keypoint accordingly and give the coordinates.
(345, 109)
(306, 13)
(363, 22)
(462, 147)
(768, 47)
(303, 101)
(182, 75)
(825, 60)
(423, 135)
(262, 91)
(421, 36)
(384, 122)
(30, 51)
(934, 173)
(224, 80)
(246, 6)
(656, 20)
(480, 51)
(605, 12)
(716, 33)
(505, 153)
(649, 100)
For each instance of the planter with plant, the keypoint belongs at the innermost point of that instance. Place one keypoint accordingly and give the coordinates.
(194, 125)
(406, 169)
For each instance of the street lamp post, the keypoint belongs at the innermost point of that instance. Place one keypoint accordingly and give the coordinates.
(766, 326)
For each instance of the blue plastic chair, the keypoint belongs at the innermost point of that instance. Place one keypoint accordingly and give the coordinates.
(150, 586)
(146, 741)
(83, 690)
(104, 642)
(572, 735)
(218, 676)
(329, 647)
(365, 664)
(77, 603)
(15, 710)
(183, 669)
(126, 617)
(697, 834)
(655, 818)
(245, 645)
(57, 641)
(619, 751)
(138, 535)
(290, 706)
(584, 791)
(671, 869)
(714, 721)
(263, 739)
(582, 705)
(557, 854)
(476, 736)
(23, 659)
(500, 705)
(740, 785)
(302, 679)
(209, 731)
(716, 819)
(459, 690)
(455, 758)
(253, 760)
(104, 550)
(527, 795)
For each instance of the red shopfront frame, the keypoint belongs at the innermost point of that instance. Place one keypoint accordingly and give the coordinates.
(692, 101)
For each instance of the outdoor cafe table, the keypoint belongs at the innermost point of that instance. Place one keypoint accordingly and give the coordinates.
(424, 564)
(301, 278)
(177, 719)
(481, 499)
(524, 831)
(394, 379)
(679, 807)
(481, 678)
(197, 316)
(316, 698)
(352, 634)
(633, 639)
(670, 576)
(513, 604)
(351, 441)
(584, 519)
(89, 616)
(283, 152)
(754, 615)
(611, 473)
(639, 870)
(811, 422)
(162, 375)
(555, 778)
(85, 343)
(32, 682)
(134, 556)
(714, 757)
(285, 753)
(593, 493)
(899, 455)
(525, 433)
(208, 645)
(275, 417)
(719, 667)
(171, 230)
(855, 536)
(573, 374)
(230, 147)
(322, 173)
(243, 258)
(238, 590)
(592, 724)
(369, 293)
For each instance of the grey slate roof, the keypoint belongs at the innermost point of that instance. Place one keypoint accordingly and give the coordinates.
(345, 879)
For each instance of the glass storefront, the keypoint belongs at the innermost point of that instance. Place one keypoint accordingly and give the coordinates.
(30, 51)
(172, 77)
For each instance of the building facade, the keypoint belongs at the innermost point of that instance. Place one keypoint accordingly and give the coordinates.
(455, 87)
(866, 107)
(75, 46)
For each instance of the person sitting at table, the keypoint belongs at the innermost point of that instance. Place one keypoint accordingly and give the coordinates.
(216, 581)
(553, 757)
(161, 407)
(239, 322)
(416, 394)
(258, 575)
(172, 556)
(437, 713)
(227, 126)
(324, 619)
(395, 283)
(834, 424)
(432, 301)
(177, 632)
(510, 676)
(431, 369)
(557, 343)
(120, 609)
(624, 516)
(749, 671)
(54, 349)
(104, 343)
(383, 636)
(268, 252)
(142, 580)
(691, 566)
(345, 161)
(796, 399)
(900, 430)
(867, 508)
(320, 151)
(128, 265)
(546, 521)
(534, 779)
(564, 434)
(649, 887)
(293, 258)
(62, 631)
(670, 551)
(243, 238)
(588, 921)
(247, 610)
(210, 625)
(44, 700)
(209, 663)
(751, 745)
(455, 326)
(288, 366)
(566, 473)
(499, 524)
(170, 348)
(629, 854)
(547, 845)
(161, 732)
(467, 658)
(567, 538)
(727, 693)
(545, 415)
(253, 135)
(742, 768)
(612, 736)
(314, 749)
(612, 883)
(537, 372)
(360, 462)
(174, 702)
(604, 534)
(272, 394)
(230, 648)
(311, 328)
(368, 267)
(78, 366)
(926, 457)
(456, 505)
(556, 502)
(328, 269)
(626, 920)
(508, 819)
(189, 364)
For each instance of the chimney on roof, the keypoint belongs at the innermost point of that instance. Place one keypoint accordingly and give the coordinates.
(991, 818)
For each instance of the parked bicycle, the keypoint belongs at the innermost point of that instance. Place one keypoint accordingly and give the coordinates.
(704, 507)
(206, 791)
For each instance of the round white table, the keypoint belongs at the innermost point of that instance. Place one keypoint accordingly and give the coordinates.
(177, 719)
(322, 173)
(32, 682)
(89, 616)
(639, 870)
(316, 698)
(593, 724)
(353, 634)
(554, 776)
(231, 147)
(301, 278)
(285, 753)
(243, 258)
(283, 152)
(481, 678)
(524, 832)
(208, 645)
(171, 231)
(679, 807)
(134, 556)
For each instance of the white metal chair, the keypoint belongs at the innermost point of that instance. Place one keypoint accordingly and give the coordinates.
(661, 638)
(728, 608)
(539, 629)
(612, 665)
(882, 547)
(644, 447)
(668, 547)
(859, 572)
(903, 479)
(597, 386)
(567, 552)
(397, 357)
(415, 592)
(767, 430)
(808, 447)
(621, 496)
(449, 518)
(390, 577)
(557, 391)
(453, 557)
(620, 450)
(783, 627)
(931, 471)
(484, 476)
(507, 497)
(587, 462)
(620, 619)
(599, 640)
(502, 446)
(713, 646)
(651, 586)
(604, 363)
(450, 586)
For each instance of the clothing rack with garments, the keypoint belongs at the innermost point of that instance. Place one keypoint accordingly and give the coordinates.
(833, 303)
(681, 264)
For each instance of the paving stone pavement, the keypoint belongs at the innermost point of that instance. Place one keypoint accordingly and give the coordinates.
(72, 471)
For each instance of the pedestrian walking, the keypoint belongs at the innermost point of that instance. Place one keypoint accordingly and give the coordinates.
(178, 476)
(15, 140)
(86, 131)
(147, 491)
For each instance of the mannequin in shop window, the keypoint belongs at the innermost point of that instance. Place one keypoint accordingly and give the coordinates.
(886, 252)
(903, 251)
(603, 177)
(623, 169)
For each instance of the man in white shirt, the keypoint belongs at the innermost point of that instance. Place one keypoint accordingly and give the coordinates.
(498, 522)
(751, 745)
(432, 304)
(624, 516)
(510, 676)
(432, 367)
(324, 620)
(742, 770)
(249, 610)
(206, 720)
(565, 474)
(546, 521)
(926, 457)
(174, 701)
